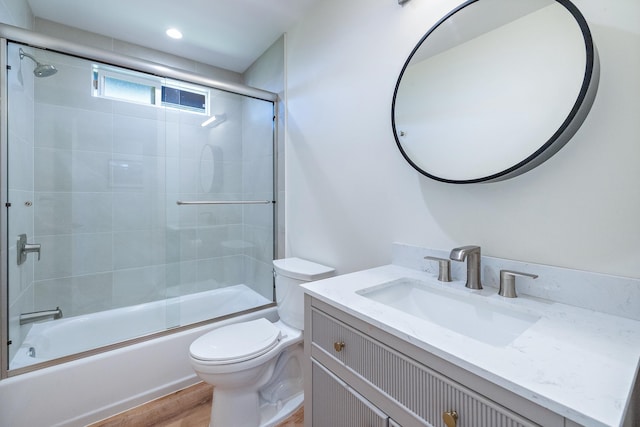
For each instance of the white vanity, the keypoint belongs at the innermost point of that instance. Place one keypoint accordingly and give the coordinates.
(393, 346)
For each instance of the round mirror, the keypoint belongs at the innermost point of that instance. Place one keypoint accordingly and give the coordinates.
(494, 89)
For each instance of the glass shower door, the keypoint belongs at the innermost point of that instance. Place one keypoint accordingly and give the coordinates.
(100, 252)
(19, 190)
(87, 193)
(220, 205)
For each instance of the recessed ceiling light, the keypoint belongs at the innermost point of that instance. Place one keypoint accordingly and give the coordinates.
(174, 33)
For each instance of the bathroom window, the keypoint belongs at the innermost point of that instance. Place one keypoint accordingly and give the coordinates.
(184, 99)
(112, 83)
(122, 89)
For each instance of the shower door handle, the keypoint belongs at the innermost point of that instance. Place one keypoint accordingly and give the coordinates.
(24, 248)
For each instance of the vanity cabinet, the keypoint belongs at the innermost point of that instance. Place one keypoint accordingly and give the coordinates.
(359, 375)
(337, 404)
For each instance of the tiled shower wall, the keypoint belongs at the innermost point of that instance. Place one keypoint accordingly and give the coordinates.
(267, 73)
(107, 178)
(257, 184)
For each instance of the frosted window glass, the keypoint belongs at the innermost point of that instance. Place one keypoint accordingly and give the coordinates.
(130, 91)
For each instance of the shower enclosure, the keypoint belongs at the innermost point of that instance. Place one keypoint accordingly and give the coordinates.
(133, 193)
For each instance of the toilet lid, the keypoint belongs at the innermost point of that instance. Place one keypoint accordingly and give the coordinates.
(236, 342)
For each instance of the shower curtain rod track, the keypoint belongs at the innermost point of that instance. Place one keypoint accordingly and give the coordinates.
(43, 41)
(224, 202)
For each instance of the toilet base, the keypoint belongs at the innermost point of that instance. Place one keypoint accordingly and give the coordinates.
(271, 414)
(260, 392)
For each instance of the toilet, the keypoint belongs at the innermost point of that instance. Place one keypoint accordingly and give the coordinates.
(255, 367)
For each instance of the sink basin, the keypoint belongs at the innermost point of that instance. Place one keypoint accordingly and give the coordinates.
(468, 315)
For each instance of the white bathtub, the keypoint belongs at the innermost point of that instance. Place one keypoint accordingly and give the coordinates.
(62, 337)
(86, 390)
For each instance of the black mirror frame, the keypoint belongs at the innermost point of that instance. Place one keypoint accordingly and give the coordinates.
(566, 130)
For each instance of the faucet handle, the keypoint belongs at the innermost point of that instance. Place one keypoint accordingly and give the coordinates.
(444, 268)
(24, 248)
(508, 282)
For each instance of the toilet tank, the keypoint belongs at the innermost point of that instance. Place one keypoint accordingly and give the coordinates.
(289, 274)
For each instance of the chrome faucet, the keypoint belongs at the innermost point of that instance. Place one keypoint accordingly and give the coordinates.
(508, 282)
(36, 316)
(472, 255)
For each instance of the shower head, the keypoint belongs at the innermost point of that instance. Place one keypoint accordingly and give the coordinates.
(41, 70)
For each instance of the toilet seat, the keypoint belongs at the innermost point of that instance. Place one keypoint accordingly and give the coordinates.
(236, 343)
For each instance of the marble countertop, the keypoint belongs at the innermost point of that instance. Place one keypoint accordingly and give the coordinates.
(576, 362)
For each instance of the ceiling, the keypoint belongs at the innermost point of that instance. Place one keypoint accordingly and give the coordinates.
(230, 34)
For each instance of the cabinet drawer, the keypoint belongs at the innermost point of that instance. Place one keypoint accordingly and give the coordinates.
(419, 389)
(336, 404)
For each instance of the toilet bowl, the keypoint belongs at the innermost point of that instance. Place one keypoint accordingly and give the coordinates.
(255, 367)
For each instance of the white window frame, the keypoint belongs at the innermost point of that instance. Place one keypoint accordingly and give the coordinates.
(100, 73)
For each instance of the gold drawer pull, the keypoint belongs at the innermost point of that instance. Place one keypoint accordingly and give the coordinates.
(450, 418)
(338, 345)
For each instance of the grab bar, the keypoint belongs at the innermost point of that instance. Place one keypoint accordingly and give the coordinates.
(36, 316)
(225, 202)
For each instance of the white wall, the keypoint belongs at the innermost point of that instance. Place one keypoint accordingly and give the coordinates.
(350, 194)
(16, 12)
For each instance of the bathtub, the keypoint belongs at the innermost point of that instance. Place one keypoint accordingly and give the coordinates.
(86, 390)
(62, 337)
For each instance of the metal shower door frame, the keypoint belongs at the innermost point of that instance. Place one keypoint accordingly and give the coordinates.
(4, 243)
(10, 33)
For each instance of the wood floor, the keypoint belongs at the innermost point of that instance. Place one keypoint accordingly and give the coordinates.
(190, 407)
